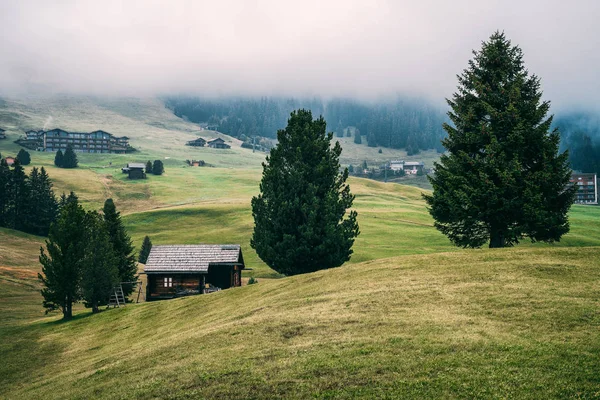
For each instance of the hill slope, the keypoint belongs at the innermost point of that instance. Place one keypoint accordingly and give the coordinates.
(491, 323)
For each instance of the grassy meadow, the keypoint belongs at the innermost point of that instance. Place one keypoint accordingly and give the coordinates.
(409, 316)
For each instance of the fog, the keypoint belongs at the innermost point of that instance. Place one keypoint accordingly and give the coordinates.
(362, 49)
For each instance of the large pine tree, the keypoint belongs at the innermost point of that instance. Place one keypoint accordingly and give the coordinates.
(301, 215)
(502, 178)
(62, 265)
(122, 245)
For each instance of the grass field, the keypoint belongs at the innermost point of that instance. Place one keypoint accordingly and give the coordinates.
(509, 323)
(409, 315)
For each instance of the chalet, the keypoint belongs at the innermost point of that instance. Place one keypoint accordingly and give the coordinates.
(414, 167)
(218, 143)
(183, 270)
(2, 134)
(9, 160)
(135, 170)
(196, 142)
(587, 188)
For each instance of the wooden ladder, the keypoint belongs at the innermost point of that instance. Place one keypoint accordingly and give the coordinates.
(117, 298)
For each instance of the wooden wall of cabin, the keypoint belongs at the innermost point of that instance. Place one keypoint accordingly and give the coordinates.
(170, 284)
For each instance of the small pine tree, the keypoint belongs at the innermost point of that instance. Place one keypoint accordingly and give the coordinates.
(100, 273)
(158, 167)
(62, 264)
(145, 250)
(371, 142)
(149, 167)
(70, 158)
(357, 137)
(349, 132)
(59, 159)
(24, 157)
(44, 205)
(122, 245)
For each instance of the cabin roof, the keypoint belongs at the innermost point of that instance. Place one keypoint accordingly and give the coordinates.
(135, 165)
(413, 163)
(192, 258)
(217, 140)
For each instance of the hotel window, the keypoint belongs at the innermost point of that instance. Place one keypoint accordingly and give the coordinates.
(168, 282)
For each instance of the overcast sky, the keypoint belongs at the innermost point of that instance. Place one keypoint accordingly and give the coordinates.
(362, 48)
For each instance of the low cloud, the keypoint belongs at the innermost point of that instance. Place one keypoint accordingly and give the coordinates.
(329, 48)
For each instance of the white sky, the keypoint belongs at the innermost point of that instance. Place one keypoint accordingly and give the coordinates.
(363, 49)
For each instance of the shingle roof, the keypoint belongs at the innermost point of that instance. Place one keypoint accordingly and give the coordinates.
(192, 258)
(136, 165)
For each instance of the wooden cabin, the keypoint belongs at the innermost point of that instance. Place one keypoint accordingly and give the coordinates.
(196, 142)
(218, 143)
(183, 270)
(135, 170)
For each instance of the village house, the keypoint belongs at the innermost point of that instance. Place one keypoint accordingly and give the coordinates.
(587, 188)
(135, 170)
(183, 270)
(9, 160)
(396, 165)
(82, 142)
(218, 143)
(414, 167)
(196, 142)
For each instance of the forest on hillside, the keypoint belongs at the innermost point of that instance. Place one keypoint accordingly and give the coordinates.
(401, 124)
(405, 123)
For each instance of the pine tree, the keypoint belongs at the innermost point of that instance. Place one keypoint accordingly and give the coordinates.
(158, 168)
(357, 137)
(44, 206)
(24, 157)
(503, 178)
(59, 159)
(301, 215)
(19, 201)
(5, 178)
(145, 250)
(63, 263)
(70, 158)
(100, 273)
(149, 167)
(122, 245)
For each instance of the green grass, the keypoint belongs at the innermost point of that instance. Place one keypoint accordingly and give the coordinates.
(509, 323)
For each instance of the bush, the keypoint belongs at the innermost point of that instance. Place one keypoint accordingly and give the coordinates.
(252, 281)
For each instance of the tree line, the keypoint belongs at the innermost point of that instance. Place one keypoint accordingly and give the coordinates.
(580, 134)
(403, 123)
(86, 255)
(27, 202)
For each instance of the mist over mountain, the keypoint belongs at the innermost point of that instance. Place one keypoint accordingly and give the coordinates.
(355, 49)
